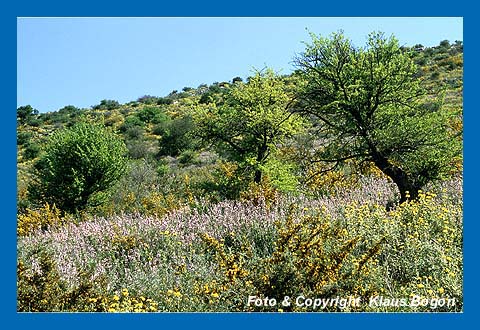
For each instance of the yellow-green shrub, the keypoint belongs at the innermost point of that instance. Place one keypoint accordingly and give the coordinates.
(314, 256)
(260, 193)
(43, 290)
(422, 250)
(41, 218)
(158, 204)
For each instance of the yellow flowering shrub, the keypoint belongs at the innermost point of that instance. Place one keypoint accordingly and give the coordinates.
(43, 290)
(344, 178)
(318, 257)
(422, 249)
(314, 255)
(42, 218)
(260, 193)
(159, 204)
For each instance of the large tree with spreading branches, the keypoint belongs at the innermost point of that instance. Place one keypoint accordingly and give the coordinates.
(367, 104)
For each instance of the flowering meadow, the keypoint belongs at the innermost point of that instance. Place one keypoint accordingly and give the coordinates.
(213, 256)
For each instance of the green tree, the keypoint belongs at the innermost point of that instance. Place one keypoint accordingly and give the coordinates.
(367, 105)
(151, 114)
(24, 113)
(176, 136)
(79, 164)
(106, 105)
(31, 150)
(252, 121)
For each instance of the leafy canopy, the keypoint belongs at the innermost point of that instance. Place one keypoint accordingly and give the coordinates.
(366, 105)
(78, 165)
(251, 122)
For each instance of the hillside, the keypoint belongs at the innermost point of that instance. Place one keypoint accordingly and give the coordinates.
(156, 129)
(312, 183)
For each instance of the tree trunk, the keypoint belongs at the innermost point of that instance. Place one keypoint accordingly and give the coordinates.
(261, 152)
(258, 177)
(407, 189)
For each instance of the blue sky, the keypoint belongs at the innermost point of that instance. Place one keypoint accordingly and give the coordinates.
(80, 61)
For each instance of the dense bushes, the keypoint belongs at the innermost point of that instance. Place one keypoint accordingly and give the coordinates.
(212, 257)
(176, 136)
(79, 164)
(106, 105)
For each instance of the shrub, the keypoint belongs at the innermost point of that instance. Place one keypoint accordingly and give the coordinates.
(134, 132)
(164, 100)
(34, 121)
(147, 99)
(176, 137)
(138, 149)
(422, 250)
(26, 113)
(107, 105)
(138, 191)
(78, 166)
(39, 219)
(163, 168)
(44, 291)
(32, 150)
(152, 115)
(227, 181)
(23, 137)
(314, 256)
(187, 157)
(131, 122)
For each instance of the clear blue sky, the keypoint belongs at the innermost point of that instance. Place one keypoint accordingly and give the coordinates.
(80, 61)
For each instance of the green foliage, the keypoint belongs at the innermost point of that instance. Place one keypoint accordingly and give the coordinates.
(23, 137)
(131, 122)
(31, 151)
(78, 166)
(282, 174)
(164, 101)
(43, 290)
(134, 132)
(187, 157)
(366, 105)
(227, 181)
(26, 113)
(253, 120)
(138, 149)
(153, 115)
(147, 99)
(106, 105)
(70, 110)
(176, 136)
(214, 94)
